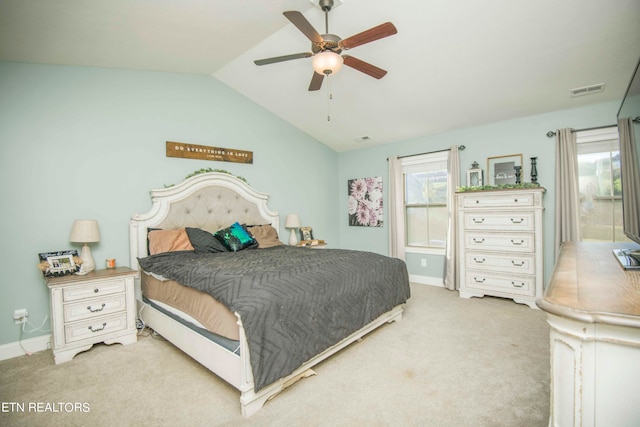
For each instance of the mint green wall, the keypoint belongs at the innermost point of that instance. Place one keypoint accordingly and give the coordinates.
(81, 142)
(526, 135)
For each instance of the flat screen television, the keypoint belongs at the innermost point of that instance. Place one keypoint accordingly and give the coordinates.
(630, 171)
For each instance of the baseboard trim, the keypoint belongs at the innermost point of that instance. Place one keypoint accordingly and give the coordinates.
(426, 280)
(32, 345)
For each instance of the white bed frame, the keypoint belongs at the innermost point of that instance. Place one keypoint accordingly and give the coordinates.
(212, 201)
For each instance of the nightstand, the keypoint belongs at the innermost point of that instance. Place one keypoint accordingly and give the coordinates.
(85, 310)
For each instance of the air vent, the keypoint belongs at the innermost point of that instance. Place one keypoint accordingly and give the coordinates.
(587, 90)
(362, 139)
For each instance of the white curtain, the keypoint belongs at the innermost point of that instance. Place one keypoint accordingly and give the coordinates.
(567, 215)
(396, 209)
(453, 178)
(631, 179)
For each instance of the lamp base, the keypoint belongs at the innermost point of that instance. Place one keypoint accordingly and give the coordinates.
(88, 263)
(293, 240)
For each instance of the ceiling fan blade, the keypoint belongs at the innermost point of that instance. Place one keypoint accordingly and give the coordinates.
(383, 30)
(316, 81)
(364, 67)
(303, 25)
(282, 58)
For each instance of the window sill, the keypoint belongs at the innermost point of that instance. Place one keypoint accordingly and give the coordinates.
(419, 250)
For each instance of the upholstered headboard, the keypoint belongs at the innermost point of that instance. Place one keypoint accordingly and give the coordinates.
(210, 201)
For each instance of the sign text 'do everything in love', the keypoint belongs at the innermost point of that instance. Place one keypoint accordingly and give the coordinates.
(203, 152)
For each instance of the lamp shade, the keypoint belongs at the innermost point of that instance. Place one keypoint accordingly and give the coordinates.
(85, 231)
(327, 62)
(292, 221)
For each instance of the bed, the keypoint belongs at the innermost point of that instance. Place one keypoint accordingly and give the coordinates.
(280, 310)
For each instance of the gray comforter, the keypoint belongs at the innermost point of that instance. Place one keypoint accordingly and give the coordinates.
(294, 302)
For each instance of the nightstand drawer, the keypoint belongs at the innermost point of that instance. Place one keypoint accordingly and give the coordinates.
(497, 200)
(494, 282)
(74, 293)
(94, 307)
(95, 328)
(514, 242)
(507, 221)
(503, 263)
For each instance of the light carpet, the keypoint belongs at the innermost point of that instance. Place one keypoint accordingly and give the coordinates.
(448, 362)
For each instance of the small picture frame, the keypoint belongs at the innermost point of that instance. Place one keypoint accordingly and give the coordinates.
(306, 233)
(58, 263)
(501, 169)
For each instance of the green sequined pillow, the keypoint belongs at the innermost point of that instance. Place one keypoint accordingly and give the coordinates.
(235, 238)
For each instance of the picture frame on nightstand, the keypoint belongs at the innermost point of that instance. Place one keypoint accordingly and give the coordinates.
(58, 263)
(306, 233)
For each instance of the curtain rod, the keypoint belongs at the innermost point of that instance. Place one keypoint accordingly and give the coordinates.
(553, 133)
(460, 147)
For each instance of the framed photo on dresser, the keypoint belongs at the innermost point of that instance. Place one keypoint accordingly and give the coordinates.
(502, 169)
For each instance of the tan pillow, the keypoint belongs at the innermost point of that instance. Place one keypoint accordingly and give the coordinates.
(169, 241)
(266, 235)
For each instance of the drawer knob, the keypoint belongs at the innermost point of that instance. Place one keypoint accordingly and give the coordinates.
(515, 200)
(517, 221)
(479, 261)
(96, 290)
(96, 309)
(516, 264)
(477, 201)
(478, 240)
(480, 281)
(517, 285)
(97, 329)
(478, 221)
(513, 242)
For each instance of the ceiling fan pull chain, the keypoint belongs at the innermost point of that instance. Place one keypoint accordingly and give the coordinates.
(329, 97)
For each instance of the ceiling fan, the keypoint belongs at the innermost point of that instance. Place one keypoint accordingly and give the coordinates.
(326, 48)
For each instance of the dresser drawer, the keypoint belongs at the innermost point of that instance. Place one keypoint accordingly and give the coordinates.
(509, 263)
(94, 307)
(504, 221)
(517, 285)
(497, 200)
(74, 293)
(514, 242)
(95, 327)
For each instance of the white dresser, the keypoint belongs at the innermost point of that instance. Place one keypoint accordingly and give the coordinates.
(500, 250)
(85, 310)
(593, 309)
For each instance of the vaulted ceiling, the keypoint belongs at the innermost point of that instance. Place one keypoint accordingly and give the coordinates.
(452, 64)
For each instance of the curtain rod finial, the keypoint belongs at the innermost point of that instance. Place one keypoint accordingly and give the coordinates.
(461, 148)
(551, 133)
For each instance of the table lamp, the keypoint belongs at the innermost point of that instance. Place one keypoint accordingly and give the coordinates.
(292, 221)
(85, 231)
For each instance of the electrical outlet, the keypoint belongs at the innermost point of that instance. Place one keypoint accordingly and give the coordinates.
(20, 316)
(423, 262)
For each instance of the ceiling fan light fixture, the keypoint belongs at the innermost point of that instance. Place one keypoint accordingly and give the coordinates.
(327, 62)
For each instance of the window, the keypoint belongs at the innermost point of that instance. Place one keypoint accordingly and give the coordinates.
(599, 185)
(425, 200)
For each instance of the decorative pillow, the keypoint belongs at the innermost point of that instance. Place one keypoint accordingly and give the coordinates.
(203, 241)
(266, 235)
(235, 238)
(168, 241)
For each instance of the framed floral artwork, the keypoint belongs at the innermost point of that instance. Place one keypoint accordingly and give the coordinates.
(365, 202)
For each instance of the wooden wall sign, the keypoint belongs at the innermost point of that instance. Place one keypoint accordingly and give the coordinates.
(204, 152)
